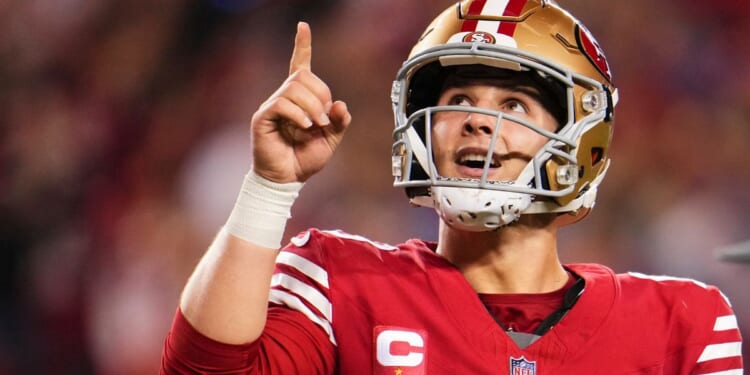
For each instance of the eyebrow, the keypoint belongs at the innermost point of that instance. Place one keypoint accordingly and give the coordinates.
(531, 91)
(528, 90)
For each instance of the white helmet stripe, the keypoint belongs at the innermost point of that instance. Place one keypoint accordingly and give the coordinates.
(492, 8)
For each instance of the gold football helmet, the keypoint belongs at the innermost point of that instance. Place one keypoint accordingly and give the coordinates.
(518, 36)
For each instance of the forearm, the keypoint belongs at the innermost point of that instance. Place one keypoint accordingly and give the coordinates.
(226, 297)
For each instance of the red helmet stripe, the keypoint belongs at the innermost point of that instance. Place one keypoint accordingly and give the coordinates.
(513, 9)
(474, 9)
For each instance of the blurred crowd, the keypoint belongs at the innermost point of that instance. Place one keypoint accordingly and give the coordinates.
(123, 142)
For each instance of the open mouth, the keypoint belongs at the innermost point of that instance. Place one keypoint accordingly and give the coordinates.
(477, 160)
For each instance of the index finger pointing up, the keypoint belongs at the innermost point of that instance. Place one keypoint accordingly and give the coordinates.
(302, 48)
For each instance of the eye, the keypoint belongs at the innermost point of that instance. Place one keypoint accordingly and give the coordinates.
(514, 105)
(460, 100)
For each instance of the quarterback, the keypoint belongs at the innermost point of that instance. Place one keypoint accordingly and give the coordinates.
(504, 111)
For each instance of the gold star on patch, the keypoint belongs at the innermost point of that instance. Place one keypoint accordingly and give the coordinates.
(398, 371)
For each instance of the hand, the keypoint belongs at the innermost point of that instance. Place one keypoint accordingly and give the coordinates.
(297, 129)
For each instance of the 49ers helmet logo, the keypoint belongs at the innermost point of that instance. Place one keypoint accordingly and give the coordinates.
(479, 37)
(588, 45)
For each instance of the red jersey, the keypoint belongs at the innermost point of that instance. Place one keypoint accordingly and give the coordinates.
(344, 304)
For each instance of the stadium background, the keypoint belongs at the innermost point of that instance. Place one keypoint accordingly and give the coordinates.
(123, 142)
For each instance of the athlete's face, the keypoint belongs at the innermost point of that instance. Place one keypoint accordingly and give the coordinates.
(461, 140)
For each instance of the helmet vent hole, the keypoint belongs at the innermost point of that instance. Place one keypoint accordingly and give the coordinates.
(596, 155)
(487, 204)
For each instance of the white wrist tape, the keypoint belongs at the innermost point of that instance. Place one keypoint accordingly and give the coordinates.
(262, 210)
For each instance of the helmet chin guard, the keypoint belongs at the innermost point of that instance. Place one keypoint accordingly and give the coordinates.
(477, 210)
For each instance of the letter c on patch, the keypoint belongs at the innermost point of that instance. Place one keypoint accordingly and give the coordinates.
(414, 356)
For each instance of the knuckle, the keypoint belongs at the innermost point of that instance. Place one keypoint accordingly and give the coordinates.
(304, 72)
(300, 73)
(272, 106)
(278, 104)
(292, 85)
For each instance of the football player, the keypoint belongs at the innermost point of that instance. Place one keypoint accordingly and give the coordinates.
(503, 120)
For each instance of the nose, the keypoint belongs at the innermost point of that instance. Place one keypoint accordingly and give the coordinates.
(477, 124)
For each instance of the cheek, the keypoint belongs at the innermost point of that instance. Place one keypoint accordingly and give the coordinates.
(442, 135)
(438, 131)
(526, 140)
(522, 139)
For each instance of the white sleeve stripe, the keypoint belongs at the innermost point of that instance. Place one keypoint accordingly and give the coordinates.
(305, 291)
(282, 297)
(717, 351)
(356, 237)
(670, 278)
(667, 278)
(305, 266)
(725, 323)
(727, 372)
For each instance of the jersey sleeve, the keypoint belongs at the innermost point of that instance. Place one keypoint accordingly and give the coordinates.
(298, 336)
(290, 344)
(300, 281)
(702, 331)
(721, 351)
(187, 351)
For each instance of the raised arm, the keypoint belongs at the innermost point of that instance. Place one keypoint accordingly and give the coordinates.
(294, 135)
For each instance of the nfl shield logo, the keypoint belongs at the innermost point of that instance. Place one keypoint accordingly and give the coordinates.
(520, 366)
